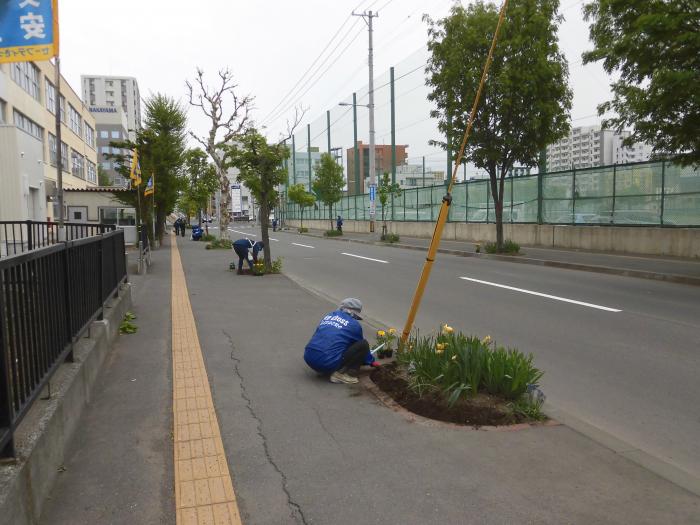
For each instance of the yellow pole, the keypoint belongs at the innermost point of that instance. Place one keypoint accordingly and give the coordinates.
(446, 201)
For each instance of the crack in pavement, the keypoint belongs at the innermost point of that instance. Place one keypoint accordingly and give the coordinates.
(325, 429)
(294, 507)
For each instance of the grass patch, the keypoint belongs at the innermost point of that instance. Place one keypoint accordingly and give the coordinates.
(220, 244)
(390, 237)
(127, 325)
(332, 233)
(510, 247)
(208, 237)
(303, 230)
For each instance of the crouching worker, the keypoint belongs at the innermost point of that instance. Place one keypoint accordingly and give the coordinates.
(337, 345)
(241, 247)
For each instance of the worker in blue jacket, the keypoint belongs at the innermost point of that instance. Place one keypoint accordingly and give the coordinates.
(337, 345)
(241, 247)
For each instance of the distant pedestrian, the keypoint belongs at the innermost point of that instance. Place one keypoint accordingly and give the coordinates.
(339, 224)
(241, 247)
(182, 227)
(176, 224)
(337, 346)
(274, 224)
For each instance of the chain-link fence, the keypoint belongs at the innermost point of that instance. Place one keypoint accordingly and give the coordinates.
(657, 193)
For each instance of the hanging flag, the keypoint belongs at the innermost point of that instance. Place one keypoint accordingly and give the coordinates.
(28, 30)
(135, 174)
(150, 188)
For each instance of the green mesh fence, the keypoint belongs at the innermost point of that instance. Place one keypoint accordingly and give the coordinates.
(647, 193)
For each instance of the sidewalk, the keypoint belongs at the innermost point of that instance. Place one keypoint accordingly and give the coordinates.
(685, 271)
(302, 450)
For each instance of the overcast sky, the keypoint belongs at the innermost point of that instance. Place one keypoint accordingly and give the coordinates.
(269, 45)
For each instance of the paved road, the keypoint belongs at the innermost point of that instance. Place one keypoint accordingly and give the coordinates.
(620, 353)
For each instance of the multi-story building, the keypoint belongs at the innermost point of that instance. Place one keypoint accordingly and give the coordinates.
(589, 146)
(382, 163)
(412, 176)
(298, 166)
(28, 145)
(110, 126)
(115, 92)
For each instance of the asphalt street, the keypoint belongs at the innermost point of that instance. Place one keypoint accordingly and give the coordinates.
(619, 353)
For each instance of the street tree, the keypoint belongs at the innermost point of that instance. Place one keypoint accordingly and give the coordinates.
(228, 113)
(302, 198)
(526, 100)
(161, 153)
(261, 167)
(201, 183)
(103, 177)
(328, 182)
(655, 48)
(387, 191)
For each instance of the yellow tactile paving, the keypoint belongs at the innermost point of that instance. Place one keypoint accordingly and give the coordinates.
(203, 489)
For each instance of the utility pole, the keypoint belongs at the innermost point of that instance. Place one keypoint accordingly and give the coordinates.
(367, 16)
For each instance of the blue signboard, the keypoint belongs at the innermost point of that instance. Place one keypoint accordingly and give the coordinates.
(372, 192)
(28, 30)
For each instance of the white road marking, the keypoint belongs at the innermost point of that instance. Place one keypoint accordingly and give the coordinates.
(276, 240)
(367, 258)
(540, 294)
(302, 245)
(242, 233)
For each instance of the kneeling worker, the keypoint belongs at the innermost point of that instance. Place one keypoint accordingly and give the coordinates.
(241, 247)
(337, 345)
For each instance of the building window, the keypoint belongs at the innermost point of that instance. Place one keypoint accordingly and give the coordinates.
(116, 135)
(105, 149)
(2, 111)
(75, 120)
(28, 125)
(106, 166)
(118, 216)
(78, 169)
(89, 136)
(91, 172)
(104, 134)
(50, 97)
(26, 75)
(64, 157)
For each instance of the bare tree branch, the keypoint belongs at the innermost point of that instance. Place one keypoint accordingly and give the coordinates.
(299, 113)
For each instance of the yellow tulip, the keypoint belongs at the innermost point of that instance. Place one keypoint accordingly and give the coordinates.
(447, 329)
(392, 331)
(439, 348)
(486, 340)
(381, 333)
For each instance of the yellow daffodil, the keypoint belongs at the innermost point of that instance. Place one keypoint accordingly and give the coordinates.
(447, 329)
(392, 331)
(381, 333)
(439, 348)
(486, 340)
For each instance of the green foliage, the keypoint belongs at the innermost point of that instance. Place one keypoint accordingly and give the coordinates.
(127, 326)
(276, 265)
(298, 195)
(390, 237)
(332, 233)
(526, 99)
(461, 366)
(387, 190)
(655, 48)
(207, 237)
(509, 246)
(303, 230)
(328, 182)
(220, 244)
(161, 147)
(102, 176)
(201, 182)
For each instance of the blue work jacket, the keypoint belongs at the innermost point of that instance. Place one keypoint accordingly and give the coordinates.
(334, 334)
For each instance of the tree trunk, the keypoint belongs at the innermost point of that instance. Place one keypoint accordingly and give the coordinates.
(264, 220)
(301, 219)
(224, 204)
(330, 214)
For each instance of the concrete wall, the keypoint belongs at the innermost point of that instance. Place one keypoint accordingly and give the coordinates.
(43, 436)
(22, 189)
(677, 242)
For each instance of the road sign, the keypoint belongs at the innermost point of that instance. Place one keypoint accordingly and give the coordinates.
(372, 192)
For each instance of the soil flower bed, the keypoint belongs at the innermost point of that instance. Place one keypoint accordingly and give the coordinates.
(463, 380)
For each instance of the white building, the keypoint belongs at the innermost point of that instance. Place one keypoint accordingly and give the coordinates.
(411, 176)
(110, 126)
(28, 148)
(115, 92)
(589, 146)
(298, 167)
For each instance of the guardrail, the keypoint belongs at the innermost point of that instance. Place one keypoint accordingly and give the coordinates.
(21, 236)
(48, 298)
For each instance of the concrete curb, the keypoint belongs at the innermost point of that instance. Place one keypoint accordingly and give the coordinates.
(610, 270)
(43, 436)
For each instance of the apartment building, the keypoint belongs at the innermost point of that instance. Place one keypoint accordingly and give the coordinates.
(589, 146)
(28, 145)
(115, 92)
(110, 126)
(298, 167)
(382, 163)
(412, 176)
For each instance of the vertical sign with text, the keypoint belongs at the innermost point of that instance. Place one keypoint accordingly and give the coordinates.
(28, 30)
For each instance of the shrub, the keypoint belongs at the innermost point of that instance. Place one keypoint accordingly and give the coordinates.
(303, 230)
(332, 233)
(277, 265)
(208, 237)
(259, 267)
(508, 247)
(390, 237)
(460, 366)
(220, 244)
(127, 326)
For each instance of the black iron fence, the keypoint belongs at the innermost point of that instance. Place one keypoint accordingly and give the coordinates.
(21, 236)
(48, 298)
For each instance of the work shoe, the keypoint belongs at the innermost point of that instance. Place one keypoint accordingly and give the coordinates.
(342, 377)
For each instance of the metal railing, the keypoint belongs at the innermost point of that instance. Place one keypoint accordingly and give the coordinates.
(21, 236)
(655, 193)
(48, 298)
